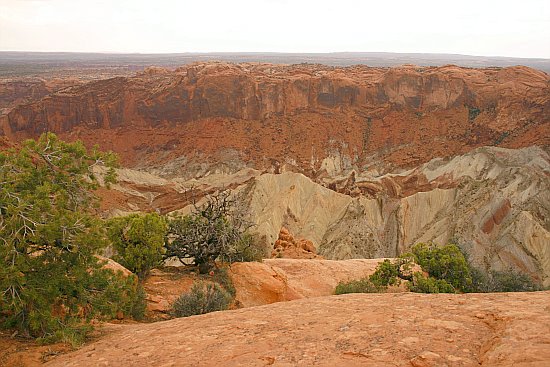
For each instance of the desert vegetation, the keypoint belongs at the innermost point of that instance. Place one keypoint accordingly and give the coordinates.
(202, 298)
(445, 269)
(214, 291)
(51, 281)
(217, 229)
(338, 168)
(138, 240)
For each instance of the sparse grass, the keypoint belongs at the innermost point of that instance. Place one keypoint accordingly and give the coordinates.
(73, 334)
(221, 276)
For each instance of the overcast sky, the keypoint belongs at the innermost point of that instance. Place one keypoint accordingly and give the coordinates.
(473, 27)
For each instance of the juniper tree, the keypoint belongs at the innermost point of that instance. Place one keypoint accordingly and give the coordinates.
(50, 278)
(215, 229)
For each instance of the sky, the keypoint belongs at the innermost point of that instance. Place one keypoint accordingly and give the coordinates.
(470, 27)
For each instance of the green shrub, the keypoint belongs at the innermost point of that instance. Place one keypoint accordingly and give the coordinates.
(215, 230)
(357, 286)
(386, 274)
(505, 281)
(449, 271)
(138, 241)
(446, 263)
(510, 280)
(480, 280)
(120, 294)
(202, 298)
(422, 284)
(249, 248)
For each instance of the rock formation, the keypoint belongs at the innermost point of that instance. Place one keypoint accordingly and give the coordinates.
(15, 92)
(364, 162)
(259, 283)
(288, 247)
(19, 91)
(493, 202)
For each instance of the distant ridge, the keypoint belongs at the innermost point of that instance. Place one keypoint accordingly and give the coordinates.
(14, 63)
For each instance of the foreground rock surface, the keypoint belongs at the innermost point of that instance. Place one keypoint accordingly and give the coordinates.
(508, 329)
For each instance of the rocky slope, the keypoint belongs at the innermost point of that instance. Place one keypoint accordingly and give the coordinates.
(312, 118)
(494, 202)
(510, 329)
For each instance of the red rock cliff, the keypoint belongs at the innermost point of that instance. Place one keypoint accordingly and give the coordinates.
(299, 113)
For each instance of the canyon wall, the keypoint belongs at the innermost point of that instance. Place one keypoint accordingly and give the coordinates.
(311, 118)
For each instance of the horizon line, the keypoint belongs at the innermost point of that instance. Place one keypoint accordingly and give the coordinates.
(271, 53)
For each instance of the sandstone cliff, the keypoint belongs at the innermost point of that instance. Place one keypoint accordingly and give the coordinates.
(19, 91)
(309, 118)
(13, 93)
